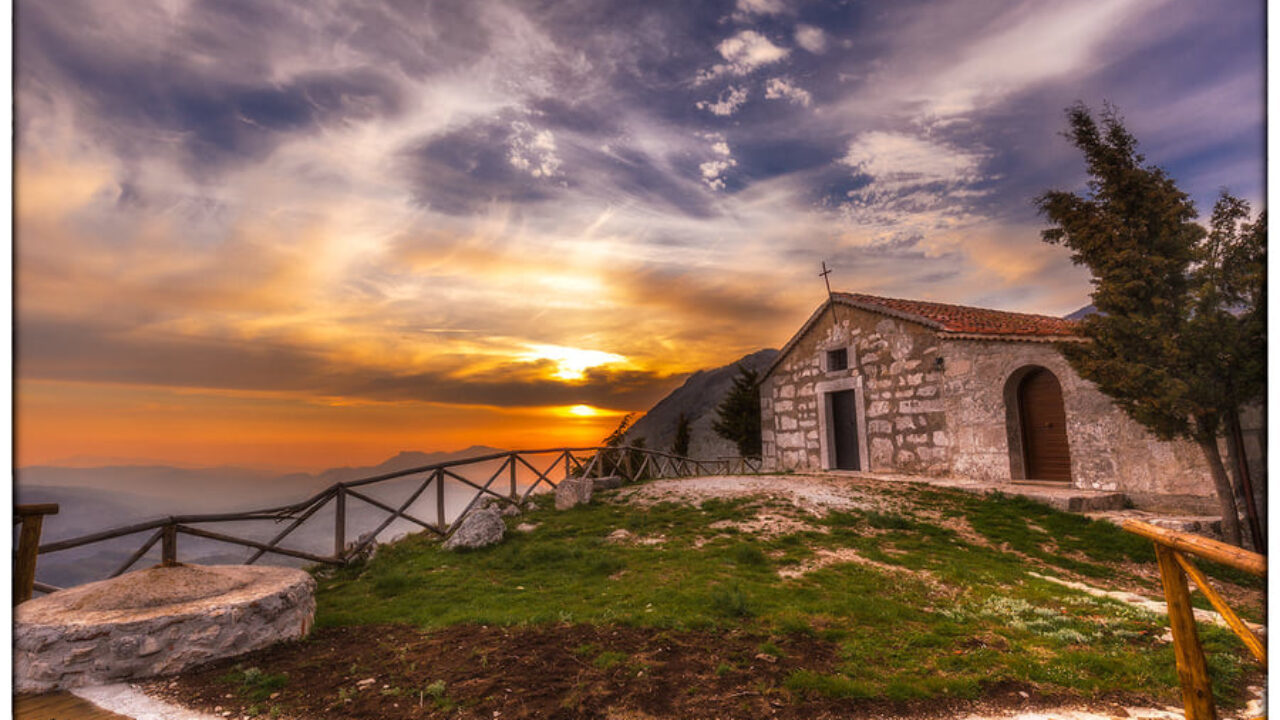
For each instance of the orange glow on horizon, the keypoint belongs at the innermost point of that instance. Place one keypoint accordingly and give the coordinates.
(87, 425)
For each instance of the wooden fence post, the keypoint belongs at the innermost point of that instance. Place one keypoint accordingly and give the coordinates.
(440, 502)
(1193, 672)
(24, 574)
(169, 545)
(514, 494)
(340, 521)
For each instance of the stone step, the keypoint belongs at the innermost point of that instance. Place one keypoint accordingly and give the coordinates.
(1078, 501)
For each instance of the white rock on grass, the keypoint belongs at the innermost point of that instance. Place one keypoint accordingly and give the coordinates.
(479, 528)
(573, 491)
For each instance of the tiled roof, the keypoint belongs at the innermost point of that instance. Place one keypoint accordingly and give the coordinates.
(964, 320)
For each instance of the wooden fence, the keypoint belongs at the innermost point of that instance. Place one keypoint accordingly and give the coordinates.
(630, 463)
(1172, 548)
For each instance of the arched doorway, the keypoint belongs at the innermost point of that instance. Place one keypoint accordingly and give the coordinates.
(1038, 426)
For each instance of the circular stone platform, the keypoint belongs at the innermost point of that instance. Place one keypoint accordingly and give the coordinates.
(155, 622)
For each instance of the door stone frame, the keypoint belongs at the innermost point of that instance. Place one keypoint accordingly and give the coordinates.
(826, 433)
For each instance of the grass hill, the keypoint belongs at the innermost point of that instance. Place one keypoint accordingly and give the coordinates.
(907, 601)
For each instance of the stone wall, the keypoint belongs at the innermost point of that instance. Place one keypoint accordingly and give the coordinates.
(892, 366)
(1109, 451)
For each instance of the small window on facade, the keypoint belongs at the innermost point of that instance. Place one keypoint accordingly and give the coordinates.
(837, 359)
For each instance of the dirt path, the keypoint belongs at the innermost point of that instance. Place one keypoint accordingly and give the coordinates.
(814, 494)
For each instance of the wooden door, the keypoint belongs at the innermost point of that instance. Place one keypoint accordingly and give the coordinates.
(1044, 427)
(844, 429)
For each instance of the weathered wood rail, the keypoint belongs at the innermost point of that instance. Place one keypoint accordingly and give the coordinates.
(1172, 548)
(631, 463)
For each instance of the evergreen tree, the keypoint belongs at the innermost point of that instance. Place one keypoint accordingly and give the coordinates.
(739, 414)
(681, 445)
(1169, 344)
(1226, 335)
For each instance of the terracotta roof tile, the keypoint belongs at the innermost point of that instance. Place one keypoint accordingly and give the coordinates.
(966, 320)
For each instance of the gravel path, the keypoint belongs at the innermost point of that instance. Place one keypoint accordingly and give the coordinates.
(814, 494)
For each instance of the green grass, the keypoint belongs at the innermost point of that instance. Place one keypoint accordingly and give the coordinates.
(956, 618)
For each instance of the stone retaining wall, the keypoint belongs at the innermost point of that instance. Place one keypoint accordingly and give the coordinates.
(94, 633)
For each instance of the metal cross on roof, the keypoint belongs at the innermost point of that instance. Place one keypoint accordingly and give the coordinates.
(830, 298)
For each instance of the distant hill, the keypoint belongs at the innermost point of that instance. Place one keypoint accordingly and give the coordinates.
(402, 461)
(697, 398)
(1082, 313)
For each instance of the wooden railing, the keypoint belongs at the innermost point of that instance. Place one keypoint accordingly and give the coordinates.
(631, 463)
(1172, 548)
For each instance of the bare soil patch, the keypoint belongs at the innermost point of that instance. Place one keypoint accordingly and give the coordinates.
(556, 671)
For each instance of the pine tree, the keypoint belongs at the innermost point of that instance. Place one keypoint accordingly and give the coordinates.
(1165, 344)
(681, 444)
(739, 414)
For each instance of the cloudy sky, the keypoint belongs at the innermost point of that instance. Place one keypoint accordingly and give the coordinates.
(311, 234)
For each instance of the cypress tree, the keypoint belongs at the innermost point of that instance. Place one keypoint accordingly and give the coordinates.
(1169, 344)
(681, 444)
(738, 415)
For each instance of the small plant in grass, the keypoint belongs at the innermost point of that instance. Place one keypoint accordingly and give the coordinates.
(391, 585)
(723, 669)
(255, 684)
(608, 659)
(808, 683)
(888, 521)
(749, 555)
(842, 519)
(769, 648)
(795, 624)
(437, 693)
(586, 650)
(731, 601)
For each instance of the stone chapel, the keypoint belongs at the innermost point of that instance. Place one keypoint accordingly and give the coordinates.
(904, 386)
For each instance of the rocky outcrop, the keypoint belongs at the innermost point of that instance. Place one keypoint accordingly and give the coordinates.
(157, 621)
(479, 528)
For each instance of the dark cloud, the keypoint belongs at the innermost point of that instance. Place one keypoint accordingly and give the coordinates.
(768, 157)
(463, 171)
(134, 95)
